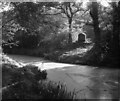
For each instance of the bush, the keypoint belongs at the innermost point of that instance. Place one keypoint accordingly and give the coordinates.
(54, 42)
(41, 90)
(27, 39)
(11, 74)
(29, 82)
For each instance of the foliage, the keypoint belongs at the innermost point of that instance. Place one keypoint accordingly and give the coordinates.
(14, 74)
(43, 90)
(105, 18)
(106, 33)
(43, 24)
(24, 38)
(44, 18)
(31, 15)
(9, 27)
(26, 23)
(29, 82)
(69, 10)
(23, 15)
(7, 60)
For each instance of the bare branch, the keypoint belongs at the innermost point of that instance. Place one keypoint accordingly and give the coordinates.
(52, 13)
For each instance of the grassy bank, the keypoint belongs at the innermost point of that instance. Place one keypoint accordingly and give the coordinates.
(82, 55)
(60, 55)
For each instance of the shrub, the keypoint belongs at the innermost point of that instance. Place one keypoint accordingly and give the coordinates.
(10, 62)
(11, 72)
(41, 90)
(29, 82)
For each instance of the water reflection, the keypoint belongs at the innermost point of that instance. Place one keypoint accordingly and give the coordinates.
(90, 83)
(104, 84)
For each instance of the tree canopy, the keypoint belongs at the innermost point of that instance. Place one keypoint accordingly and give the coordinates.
(46, 22)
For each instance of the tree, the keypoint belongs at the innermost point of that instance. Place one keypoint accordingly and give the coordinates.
(111, 46)
(68, 10)
(27, 14)
(94, 55)
(9, 25)
(94, 15)
(113, 34)
(28, 17)
(115, 44)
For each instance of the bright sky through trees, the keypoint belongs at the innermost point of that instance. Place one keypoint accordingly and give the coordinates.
(103, 2)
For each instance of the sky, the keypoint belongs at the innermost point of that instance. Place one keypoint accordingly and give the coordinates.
(103, 2)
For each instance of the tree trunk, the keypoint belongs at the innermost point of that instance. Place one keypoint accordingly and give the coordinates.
(70, 31)
(94, 15)
(116, 31)
(95, 53)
